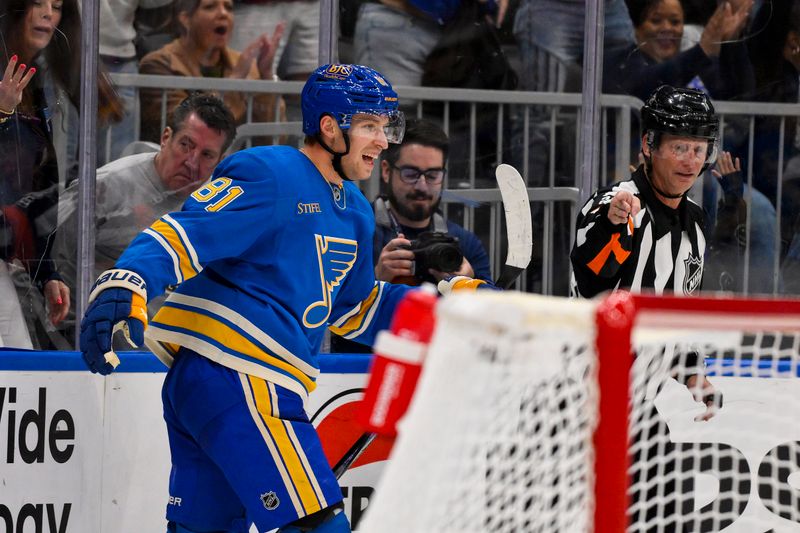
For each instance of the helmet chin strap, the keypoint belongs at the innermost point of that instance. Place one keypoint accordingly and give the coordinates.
(337, 156)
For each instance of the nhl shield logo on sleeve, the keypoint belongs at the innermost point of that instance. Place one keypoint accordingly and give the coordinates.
(270, 500)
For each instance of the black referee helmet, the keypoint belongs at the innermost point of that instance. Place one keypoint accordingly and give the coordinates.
(683, 112)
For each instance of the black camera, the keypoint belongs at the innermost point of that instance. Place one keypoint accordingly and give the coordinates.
(436, 250)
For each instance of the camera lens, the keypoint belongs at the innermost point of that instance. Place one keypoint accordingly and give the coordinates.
(447, 258)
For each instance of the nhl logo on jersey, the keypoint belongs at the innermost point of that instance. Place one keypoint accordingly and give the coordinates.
(270, 500)
(694, 273)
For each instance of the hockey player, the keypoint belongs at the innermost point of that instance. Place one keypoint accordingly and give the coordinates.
(274, 249)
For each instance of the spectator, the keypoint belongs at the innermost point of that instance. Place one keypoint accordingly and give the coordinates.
(37, 33)
(718, 63)
(790, 268)
(396, 36)
(297, 54)
(202, 51)
(118, 55)
(413, 175)
(775, 53)
(556, 27)
(134, 191)
(725, 257)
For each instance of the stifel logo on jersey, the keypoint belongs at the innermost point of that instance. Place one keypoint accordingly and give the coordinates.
(335, 257)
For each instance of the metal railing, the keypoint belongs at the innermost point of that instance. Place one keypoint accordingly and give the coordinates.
(521, 127)
(509, 116)
(751, 111)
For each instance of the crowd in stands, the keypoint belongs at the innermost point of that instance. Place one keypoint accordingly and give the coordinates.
(734, 50)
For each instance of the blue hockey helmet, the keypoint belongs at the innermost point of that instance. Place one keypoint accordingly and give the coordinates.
(342, 91)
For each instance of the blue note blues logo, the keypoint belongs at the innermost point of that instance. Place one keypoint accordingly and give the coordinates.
(335, 257)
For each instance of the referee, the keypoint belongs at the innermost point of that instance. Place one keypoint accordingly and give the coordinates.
(645, 233)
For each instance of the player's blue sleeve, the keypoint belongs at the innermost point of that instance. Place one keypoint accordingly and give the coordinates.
(216, 222)
(362, 322)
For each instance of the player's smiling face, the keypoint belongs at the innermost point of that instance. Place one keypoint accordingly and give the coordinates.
(367, 141)
(210, 25)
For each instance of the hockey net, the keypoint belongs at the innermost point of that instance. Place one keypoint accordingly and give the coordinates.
(533, 415)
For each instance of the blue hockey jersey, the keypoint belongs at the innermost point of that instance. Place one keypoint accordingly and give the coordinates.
(262, 259)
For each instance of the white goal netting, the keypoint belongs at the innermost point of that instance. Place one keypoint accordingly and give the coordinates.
(501, 434)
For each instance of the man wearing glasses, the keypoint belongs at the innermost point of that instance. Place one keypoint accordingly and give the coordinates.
(645, 233)
(414, 174)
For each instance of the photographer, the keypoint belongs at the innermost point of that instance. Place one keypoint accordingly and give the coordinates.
(413, 242)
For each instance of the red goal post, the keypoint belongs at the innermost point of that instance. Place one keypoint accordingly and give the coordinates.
(499, 439)
(617, 315)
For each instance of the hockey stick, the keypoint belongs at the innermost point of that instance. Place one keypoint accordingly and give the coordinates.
(520, 247)
(517, 209)
(353, 453)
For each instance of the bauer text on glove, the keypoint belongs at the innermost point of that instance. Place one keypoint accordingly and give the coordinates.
(117, 301)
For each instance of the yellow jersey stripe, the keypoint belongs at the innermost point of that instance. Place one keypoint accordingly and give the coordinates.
(245, 325)
(172, 255)
(171, 236)
(189, 248)
(370, 313)
(154, 336)
(287, 449)
(228, 337)
(355, 321)
(249, 394)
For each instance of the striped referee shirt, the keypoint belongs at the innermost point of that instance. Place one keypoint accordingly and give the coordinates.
(660, 249)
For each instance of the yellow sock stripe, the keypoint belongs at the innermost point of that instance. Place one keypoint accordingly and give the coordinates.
(354, 322)
(139, 308)
(169, 233)
(226, 336)
(249, 394)
(287, 449)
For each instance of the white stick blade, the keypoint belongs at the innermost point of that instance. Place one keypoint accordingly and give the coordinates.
(518, 215)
